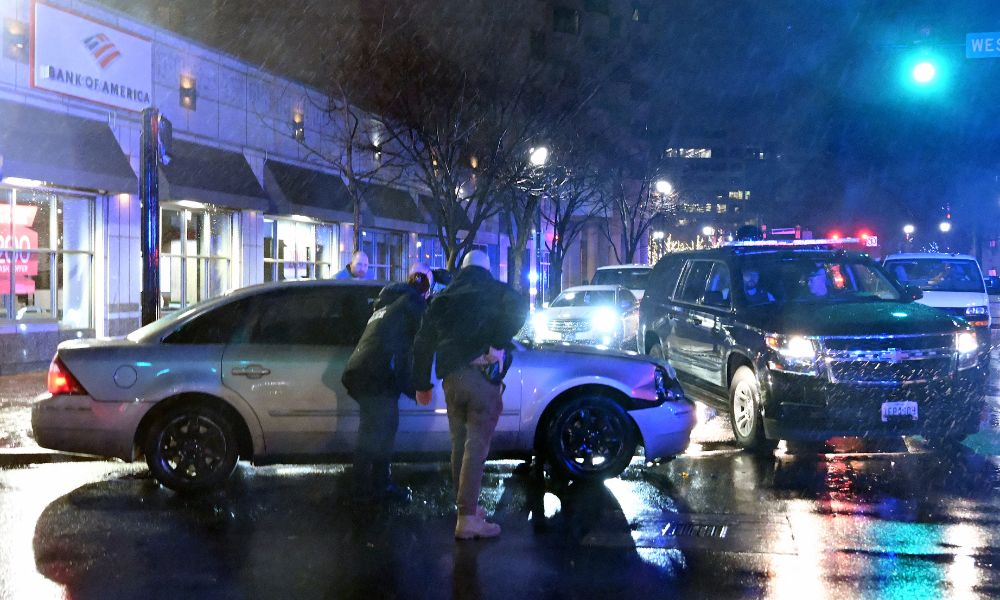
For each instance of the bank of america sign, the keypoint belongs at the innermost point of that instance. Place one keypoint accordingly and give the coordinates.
(77, 56)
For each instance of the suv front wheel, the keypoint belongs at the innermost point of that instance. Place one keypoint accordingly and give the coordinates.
(745, 413)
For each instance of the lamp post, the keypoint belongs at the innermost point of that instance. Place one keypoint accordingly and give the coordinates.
(537, 157)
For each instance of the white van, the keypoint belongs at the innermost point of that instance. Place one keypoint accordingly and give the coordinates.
(951, 282)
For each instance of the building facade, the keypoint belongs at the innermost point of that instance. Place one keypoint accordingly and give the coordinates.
(244, 200)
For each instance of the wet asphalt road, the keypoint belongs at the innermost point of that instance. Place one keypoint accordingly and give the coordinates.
(894, 522)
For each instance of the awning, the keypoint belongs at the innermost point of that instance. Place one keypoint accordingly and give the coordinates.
(307, 187)
(390, 203)
(206, 174)
(436, 211)
(62, 149)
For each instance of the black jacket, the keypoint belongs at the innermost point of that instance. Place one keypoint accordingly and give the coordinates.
(381, 362)
(473, 313)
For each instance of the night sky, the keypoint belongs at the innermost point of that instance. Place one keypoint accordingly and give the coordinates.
(819, 81)
(824, 81)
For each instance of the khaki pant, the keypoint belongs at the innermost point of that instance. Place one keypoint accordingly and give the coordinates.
(474, 406)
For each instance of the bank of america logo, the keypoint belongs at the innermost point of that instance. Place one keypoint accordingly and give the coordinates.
(102, 49)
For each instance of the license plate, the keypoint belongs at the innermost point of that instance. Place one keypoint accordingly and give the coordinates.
(899, 409)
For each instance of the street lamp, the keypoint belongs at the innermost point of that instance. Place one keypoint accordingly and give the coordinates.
(909, 229)
(664, 187)
(538, 156)
(708, 231)
(945, 226)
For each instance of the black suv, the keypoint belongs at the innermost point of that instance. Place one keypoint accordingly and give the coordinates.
(807, 343)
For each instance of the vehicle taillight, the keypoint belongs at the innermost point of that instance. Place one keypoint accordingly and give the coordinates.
(61, 381)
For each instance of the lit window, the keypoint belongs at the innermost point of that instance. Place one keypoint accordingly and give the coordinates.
(721, 208)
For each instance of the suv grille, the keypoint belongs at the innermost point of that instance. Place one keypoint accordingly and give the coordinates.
(888, 359)
(569, 325)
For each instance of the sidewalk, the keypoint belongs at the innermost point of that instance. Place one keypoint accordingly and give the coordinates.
(17, 447)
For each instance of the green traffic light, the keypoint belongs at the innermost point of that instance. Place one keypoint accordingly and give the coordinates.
(924, 73)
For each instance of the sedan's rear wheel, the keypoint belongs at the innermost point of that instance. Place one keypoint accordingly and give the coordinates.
(590, 438)
(191, 448)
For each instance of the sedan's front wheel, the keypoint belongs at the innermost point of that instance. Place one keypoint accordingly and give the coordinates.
(191, 448)
(590, 438)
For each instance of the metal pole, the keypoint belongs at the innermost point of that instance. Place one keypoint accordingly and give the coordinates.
(539, 287)
(149, 196)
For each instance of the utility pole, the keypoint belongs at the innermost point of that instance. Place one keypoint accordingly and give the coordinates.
(155, 143)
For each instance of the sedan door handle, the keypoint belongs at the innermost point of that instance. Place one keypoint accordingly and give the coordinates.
(252, 371)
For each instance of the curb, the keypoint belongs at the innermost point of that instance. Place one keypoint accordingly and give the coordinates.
(23, 457)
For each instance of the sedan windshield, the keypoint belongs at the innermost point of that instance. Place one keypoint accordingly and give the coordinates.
(938, 275)
(786, 280)
(584, 298)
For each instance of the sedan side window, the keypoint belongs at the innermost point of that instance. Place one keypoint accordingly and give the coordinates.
(312, 316)
(216, 326)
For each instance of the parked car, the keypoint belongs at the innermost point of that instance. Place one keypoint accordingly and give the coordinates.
(605, 316)
(631, 276)
(951, 282)
(811, 343)
(993, 292)
(244, 377)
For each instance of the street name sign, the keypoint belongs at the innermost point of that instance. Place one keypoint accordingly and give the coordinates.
(982, 45)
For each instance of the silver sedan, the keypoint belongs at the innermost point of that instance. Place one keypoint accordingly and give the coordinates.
(255, 375)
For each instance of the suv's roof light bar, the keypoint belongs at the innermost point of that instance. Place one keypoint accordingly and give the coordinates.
(791, 243)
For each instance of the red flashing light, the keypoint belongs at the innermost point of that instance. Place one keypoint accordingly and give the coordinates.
(834, 236)
(61, 381)
(864, 236)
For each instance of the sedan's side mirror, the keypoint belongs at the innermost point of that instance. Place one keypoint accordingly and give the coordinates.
(914, 293)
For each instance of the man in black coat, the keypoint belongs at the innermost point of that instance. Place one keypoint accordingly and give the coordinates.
(469, 327)
(378, 371)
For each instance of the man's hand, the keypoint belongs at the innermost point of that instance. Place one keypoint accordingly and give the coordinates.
(424, 397)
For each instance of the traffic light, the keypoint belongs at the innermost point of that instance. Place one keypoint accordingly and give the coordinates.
(924, 72)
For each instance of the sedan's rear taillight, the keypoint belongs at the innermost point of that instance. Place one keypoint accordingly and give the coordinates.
(61, 381)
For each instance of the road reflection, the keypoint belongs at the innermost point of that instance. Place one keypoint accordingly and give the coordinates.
(890, 518)
(295, 533)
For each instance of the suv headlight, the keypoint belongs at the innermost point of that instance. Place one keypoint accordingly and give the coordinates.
(792, 353)
(967, 348)
(539, 323)
(605, 319)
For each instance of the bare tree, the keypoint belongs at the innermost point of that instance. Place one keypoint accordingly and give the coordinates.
(574, 200)
(632, 203)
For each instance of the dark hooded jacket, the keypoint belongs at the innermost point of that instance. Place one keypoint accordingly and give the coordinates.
(473, 313)
(381, 363)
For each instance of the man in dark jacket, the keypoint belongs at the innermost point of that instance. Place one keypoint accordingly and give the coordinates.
(378, 371)
(469, 327)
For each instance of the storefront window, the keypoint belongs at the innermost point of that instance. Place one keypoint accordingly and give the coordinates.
(195, 253)
(296, 249)
(386, 252)
(46, 257)
(430, 252)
